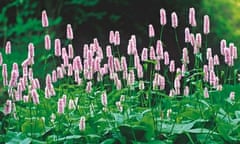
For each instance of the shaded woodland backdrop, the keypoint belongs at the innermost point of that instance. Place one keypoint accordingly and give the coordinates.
(20, 21)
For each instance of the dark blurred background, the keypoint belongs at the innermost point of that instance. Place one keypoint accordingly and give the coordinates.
(20, 22)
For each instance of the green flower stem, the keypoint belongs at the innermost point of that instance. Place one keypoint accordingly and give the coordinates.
(118, 52)
(161, 33)
(31, 129)
(176, 38)
(190, 138)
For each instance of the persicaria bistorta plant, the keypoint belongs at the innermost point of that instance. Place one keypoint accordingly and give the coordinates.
(102, 96)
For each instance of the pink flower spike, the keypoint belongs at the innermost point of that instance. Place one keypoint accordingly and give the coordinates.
(192, 19)
(130, 47)
(212, 77)
(61, 106)
(85, 50)
(123, 63)
(14, 77)
(82, 125)
(117, 65)
(210, 64)
(223, 45)
(209, 53)
(144, 55)
(8, 48)
(151, 32)
(47, 42)
(8, 107)
(104, 98)
(31, 52)
(130, 78)
(70, 70)
(166, 58)
(232, 96)
(159, 50)
(187, 35)
(216, 60)
(65, 60)
(108, 50)
(25, 98)
(158, 66)
(77, 63)
(140, 71)
(57, 50)
(69, 32)
(206, 25)
(152, 54)
(172, 66)
(163, 19)
(174, 20)
(198, 40)
(231, 45)
(60, 74)
(71, 105)
(205, 93)
(117, 38)
(48, 81)
(177, 83)
(136, 61)
(185, 57)
(89, 87)
(111, 37)
(35, 96)
(64, 53)
(44, 19)
(54, 76)
(70, 51)
(235, 53)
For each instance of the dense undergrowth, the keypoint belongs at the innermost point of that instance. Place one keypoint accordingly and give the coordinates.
(105, 97)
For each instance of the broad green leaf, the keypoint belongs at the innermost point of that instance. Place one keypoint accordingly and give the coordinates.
(200, 130)
(177, 128)
(34, 126)
(109, 141)
(237, 114)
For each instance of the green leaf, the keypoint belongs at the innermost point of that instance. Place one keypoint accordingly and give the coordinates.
(151, 61)
(109, 141)
(34, 126)
(237, 114)
(156, 142)
(200, 130)
(17, 137)
(177, 128)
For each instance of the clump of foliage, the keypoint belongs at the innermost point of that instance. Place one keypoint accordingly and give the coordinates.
(104, 97)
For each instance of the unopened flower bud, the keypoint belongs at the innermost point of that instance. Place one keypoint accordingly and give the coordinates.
(205, 93)
(69, 32)
(8, 107)
(174, 20)
(8, 48)
(232, 96)
(192, 19)
(44, 19)
(47, 42)
(57, 50)
(61, 106)
(104, 98)
(206, 25)
(151, 32)
(163, 19)
(82, 124)
(117, 38)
